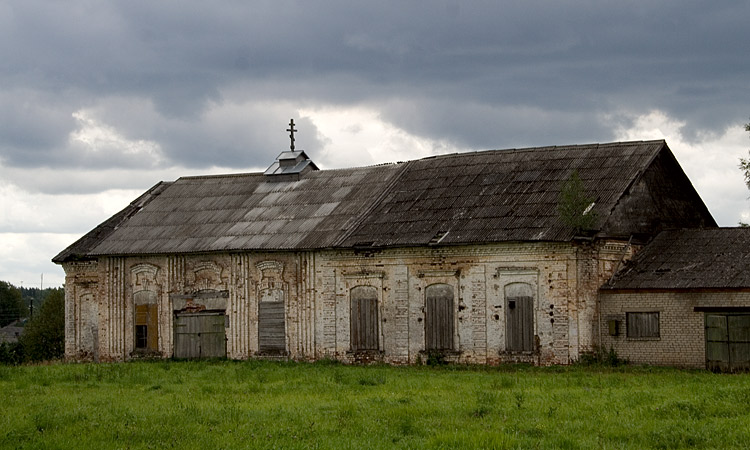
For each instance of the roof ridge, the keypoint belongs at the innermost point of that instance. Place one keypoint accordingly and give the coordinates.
(544, 147)
(220, 175)
(444, 155)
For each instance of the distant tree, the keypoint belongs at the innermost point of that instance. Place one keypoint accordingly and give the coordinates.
(43, 337)
(575, 206)
(745, 168)
(11, 304)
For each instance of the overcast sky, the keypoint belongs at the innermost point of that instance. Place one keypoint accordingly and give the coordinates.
(101, 100)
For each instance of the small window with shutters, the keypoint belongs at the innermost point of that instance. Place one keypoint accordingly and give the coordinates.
(642, 325)
(364, 318)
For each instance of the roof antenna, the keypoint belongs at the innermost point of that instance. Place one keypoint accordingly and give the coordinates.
(291, 131)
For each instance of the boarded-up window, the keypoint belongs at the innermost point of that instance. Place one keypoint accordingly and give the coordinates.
(519, 317)
(364, 318)
(271, 312)
(146, 327)
(642, 324)
(438, 326)
(727, 342)
(271, 327)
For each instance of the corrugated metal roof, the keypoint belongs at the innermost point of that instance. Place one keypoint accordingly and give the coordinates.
(711, 258)
(509, 194)
(250, 211)
(489, 196)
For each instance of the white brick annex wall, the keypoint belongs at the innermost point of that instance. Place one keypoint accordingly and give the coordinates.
(682, 330)
(565, 277)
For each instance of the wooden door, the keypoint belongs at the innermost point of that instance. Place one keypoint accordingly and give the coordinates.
(200, 335)
(364, 318)
(519, 317)
(438, 325)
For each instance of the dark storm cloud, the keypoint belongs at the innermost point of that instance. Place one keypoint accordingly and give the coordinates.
(480, 74)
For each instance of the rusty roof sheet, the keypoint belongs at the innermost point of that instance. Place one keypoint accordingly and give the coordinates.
(488, 196)
(502, 195)
(709, 258)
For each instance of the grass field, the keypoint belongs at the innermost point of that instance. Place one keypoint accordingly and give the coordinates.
(226, 404)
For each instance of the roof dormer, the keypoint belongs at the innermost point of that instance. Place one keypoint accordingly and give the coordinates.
(295, 161)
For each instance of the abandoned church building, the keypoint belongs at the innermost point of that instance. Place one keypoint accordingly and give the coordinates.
(463, 255)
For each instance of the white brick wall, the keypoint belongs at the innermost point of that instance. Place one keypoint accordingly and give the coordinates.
(564, 277)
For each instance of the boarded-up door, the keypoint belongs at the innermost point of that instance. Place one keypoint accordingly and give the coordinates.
(519, 318)
(364, 318)
(727, 342)
(271, 328)
(88, 344)
(438, 327)
(200, 335)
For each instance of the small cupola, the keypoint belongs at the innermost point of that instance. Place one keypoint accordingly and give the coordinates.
(293, 162)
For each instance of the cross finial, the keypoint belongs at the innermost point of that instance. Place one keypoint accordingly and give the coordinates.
(291, 131)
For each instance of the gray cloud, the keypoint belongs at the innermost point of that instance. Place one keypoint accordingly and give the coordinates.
(200, 79)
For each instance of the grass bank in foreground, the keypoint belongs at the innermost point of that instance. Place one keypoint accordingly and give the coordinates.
(254, 404)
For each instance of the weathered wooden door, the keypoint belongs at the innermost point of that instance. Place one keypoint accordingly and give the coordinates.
(271, 328)
(727, 342)
(438, 327)
(519, 318)
(364, 318)
(200, 335)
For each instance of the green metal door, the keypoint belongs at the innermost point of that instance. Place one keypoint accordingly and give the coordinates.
(200, 335)
(739, 341)
(727, 342)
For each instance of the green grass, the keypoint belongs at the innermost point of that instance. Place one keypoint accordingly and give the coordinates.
(226, 404)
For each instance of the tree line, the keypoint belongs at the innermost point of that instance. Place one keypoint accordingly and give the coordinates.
(43, 334)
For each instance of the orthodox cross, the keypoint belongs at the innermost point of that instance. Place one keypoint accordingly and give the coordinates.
(291, 131)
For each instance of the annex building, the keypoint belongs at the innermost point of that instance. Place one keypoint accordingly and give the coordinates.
(462, 255)
(684, 300)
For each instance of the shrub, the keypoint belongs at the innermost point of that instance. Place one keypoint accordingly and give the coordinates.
(43, 337)
(11, 353)
(601, 357)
